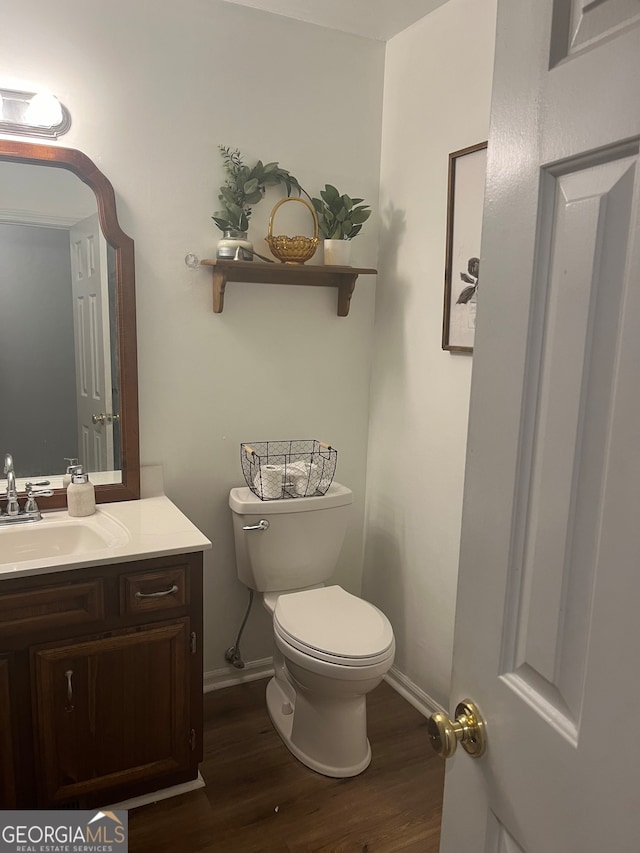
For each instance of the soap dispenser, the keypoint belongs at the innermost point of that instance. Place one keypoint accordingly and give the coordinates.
(81, 494)
(70, 468)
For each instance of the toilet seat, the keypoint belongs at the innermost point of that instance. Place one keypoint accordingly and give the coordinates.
(330, 624)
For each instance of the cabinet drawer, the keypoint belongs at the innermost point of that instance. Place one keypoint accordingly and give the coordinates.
(145, 592)
(52, 607)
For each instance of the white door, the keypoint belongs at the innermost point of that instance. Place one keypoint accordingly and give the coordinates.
(547, 637)
(91, 332)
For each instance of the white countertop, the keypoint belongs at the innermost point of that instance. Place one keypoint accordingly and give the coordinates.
(150, 527)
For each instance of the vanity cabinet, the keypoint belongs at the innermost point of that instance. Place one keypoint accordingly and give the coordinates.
(101, 682)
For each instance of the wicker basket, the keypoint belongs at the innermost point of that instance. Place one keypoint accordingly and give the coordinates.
(293, 250)
(288, 469)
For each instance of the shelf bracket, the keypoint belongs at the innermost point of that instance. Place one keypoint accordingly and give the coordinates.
(346, 286)
(219, 284)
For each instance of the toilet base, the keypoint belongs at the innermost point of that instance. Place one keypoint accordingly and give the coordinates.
(336, 731)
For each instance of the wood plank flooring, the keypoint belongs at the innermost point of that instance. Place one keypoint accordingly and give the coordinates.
(259, 799)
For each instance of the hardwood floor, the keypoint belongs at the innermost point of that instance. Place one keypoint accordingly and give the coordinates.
(259, 799)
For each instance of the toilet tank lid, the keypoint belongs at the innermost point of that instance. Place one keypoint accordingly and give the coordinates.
(244, 502)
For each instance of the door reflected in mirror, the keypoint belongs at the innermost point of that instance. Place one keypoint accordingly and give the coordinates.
(57, 282)
(68, 367)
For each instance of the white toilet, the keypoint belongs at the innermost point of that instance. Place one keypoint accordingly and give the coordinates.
(330, 647)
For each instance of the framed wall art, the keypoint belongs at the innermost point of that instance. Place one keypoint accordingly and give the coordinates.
(467, 171)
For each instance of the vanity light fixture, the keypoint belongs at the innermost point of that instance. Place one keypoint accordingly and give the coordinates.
(32, 114)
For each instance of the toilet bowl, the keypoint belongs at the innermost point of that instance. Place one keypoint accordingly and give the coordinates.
(331, 648)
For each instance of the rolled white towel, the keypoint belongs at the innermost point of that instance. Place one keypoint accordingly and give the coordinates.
(268, 481)
(304, 476)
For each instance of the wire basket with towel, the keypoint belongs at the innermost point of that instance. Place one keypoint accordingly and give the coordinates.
(288, 469)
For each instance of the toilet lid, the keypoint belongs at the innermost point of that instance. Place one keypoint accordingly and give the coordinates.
(331, 623)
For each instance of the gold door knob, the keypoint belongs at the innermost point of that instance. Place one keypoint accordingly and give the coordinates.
(468, 728)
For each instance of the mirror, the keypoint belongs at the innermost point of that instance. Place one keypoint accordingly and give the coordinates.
(68, 362)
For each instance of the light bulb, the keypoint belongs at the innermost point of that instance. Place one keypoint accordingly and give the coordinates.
(44, 110)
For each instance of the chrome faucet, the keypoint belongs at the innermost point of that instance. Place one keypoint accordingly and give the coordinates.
(15, 515)
(13, 507)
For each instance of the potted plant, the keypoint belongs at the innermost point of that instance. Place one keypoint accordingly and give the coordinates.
(340, 219)
(243, 188)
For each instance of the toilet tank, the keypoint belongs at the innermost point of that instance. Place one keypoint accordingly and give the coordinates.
(301, 545)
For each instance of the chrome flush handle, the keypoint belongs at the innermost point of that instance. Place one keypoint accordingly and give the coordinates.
(263, 524)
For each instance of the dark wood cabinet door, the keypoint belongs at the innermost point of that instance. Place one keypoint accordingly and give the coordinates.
(111, 711)
(7, 786)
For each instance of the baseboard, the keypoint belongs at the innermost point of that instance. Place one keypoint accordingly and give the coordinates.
(420, 700)
(228, 676)
(156, 796)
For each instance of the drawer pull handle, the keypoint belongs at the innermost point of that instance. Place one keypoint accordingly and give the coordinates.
(162, 594)
(69, 676)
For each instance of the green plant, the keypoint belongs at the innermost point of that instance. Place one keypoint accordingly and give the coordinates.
(245, 186)
(339, 216)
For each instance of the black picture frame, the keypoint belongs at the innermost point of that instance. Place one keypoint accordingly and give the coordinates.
(465, 199)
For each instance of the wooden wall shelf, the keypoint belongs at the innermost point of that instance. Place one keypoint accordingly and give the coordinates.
(254, 272)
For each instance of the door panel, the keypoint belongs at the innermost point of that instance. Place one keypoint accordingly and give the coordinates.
(593, 20)
(92, 344)
(547, 634)
(571, 370)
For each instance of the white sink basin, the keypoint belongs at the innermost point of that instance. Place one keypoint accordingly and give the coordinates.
(118, 533)
(59, 535)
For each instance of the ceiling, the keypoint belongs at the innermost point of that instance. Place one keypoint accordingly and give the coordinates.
(375, 19)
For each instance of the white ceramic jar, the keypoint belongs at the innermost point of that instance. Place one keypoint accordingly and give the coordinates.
(337, 252)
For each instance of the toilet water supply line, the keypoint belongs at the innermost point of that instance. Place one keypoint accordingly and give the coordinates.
(232, 655)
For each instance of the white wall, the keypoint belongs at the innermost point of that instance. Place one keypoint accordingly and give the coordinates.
(153, 88)
(436, 100)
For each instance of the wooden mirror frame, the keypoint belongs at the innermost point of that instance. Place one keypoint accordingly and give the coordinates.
(78, 163)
